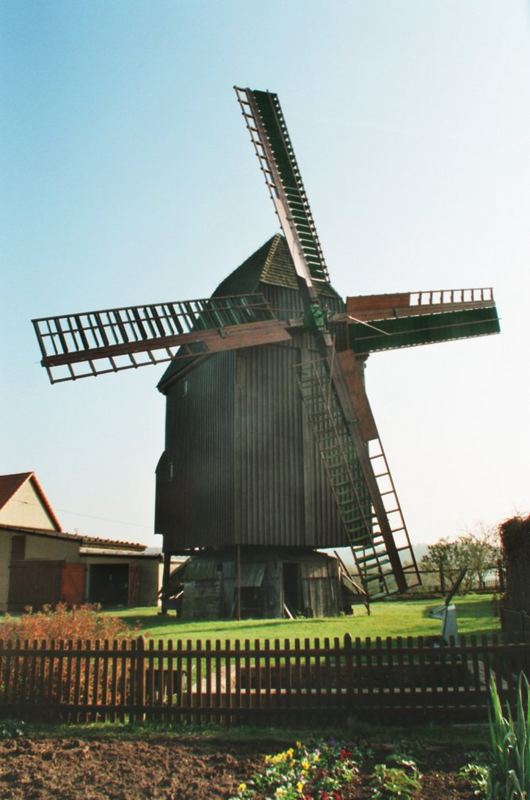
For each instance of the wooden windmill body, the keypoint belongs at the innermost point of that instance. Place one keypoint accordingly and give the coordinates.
(271, 447)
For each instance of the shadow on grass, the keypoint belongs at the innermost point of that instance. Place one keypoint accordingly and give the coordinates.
(213, 627)
(236, 629)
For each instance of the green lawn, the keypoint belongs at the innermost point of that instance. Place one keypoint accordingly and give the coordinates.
(390, 618)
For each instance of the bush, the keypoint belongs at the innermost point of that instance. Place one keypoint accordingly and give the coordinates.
(67, 674)
(515, 539)
(81, 622)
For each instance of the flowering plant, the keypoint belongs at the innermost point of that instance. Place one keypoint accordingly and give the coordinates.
(397, 780)
(315, 771)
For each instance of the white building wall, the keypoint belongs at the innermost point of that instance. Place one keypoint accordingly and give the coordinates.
(26, 509)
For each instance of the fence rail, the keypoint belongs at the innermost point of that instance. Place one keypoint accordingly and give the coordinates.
(275, 682)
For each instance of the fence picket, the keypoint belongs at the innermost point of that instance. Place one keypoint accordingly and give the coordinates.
(257, 696)
(337, 672)
(228, 681)
(140, 700)
(123, 681)
(41, 692)
(248, 676)
(114, 680)
(95, 695)
(318, 675)
(170, 677)
(486, 662)
(348, 657)
(288, 677)
(237, 659)
(16, 672)
(218, 677)
(298, 672)
(208, 666)
(105, 681)
(179, 660)
(268, 678)
(24, 674)
(132, 693)
(464, 668)
(148, 669)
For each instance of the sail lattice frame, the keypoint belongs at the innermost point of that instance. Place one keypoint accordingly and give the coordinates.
(93, 343)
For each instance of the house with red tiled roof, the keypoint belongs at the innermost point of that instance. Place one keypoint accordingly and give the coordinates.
(40, 563)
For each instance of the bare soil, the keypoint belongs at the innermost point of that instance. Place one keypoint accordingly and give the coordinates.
(168, 768)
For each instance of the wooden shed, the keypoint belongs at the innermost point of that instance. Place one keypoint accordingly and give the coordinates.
(270, 581)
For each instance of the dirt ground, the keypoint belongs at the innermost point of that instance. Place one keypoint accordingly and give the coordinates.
(174, 769)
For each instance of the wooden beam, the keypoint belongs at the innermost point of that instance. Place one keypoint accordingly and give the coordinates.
(232, 337)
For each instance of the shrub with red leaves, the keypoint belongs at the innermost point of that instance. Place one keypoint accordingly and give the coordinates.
(81, 622)
(59, 671)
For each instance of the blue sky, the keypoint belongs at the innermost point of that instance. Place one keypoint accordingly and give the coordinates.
(126, 176)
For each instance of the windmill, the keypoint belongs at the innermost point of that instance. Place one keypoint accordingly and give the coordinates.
(272, 450)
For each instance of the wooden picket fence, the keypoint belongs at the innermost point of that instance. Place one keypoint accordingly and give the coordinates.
(279, 682)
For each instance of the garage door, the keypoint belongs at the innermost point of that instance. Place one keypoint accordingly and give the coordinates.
(34, 583)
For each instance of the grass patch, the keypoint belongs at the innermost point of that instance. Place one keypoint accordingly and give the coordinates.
(411, 738)
(388, 618)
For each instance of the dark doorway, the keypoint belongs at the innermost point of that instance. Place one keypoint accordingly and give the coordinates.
(292, 596)
(109, 584)
(252, 602)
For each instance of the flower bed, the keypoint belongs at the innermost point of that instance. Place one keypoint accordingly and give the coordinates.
(316, 771)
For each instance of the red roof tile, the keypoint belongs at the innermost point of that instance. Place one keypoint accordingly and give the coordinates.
(77, 537)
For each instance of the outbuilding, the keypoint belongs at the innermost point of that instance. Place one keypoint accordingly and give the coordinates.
(42, 564)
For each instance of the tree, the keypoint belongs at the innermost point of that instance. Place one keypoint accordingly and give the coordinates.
(441, 557)
(478, 552)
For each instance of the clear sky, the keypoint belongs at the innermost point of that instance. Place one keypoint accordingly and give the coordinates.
(127, 177)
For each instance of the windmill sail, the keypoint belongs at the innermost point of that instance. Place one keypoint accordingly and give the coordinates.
(269, 135)
(349, 445)
(406, 319)
(96, 342)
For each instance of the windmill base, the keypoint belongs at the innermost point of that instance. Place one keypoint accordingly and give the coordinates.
(257, 582)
